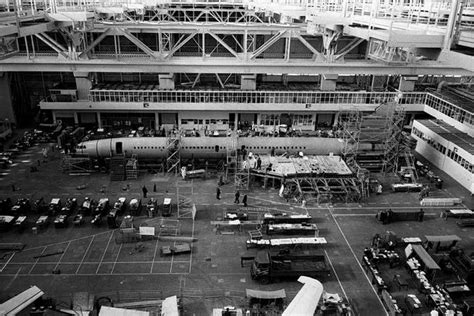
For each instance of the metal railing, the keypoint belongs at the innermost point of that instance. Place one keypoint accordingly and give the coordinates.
(237, 96)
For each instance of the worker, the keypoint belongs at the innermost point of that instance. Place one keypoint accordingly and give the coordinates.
(244, 200)
(421, 215)
(259, 162)
(145, 191)
(237, 197)
(218, 193)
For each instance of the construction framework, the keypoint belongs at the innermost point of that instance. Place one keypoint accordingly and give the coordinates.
(326, 190)
(351, 123)
(76, 165)
(234, 166)
(173, 160)
(394, 127)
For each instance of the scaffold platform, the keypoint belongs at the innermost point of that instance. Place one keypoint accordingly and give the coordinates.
(282, 167)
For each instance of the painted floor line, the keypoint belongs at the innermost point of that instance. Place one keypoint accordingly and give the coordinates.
(360, 266)
(98, 262)
(62, 242)
(93, 274)
(105, 251)
(85, 254)
(62, 255)
(42, 252)
(9, 259)
(337, 276)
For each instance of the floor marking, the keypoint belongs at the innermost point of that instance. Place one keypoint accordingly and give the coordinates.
(104, 262)
(13, 254)
(62, 242)
(12, 280)
(154, 256)
(62, 255)
(118, 254)
(85, 254)
(172, 258)
(355, 257)
(42, 252)
(105, 250)
(107, 274)
(337, 276)
(191, 254)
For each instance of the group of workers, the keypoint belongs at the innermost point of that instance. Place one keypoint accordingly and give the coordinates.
(236, 196)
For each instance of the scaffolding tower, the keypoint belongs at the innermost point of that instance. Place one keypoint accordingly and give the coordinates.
(234, 166)
(407, 146)
(131, 168)
(173, 148)
(394, 126)
(351, 123)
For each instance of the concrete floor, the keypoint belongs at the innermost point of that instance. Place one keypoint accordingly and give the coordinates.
(211, 276)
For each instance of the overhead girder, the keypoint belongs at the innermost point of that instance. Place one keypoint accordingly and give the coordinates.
(53, 44)
(220, 41)
(137, 42)
(186, 28)
(225, 65)
(96, 42)
(267, 44)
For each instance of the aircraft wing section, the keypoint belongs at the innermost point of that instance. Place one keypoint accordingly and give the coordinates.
(307, 299)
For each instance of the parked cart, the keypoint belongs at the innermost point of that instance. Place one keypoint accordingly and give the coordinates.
(166, 207)
(54, 206)
(176, 249)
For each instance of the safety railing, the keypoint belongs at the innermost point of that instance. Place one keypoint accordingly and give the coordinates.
(237, 96)
(447, 108)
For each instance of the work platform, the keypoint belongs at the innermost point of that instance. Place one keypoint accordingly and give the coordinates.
(319, 179)
(311, 166)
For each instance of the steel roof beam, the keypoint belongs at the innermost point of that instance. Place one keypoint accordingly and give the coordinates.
(227, 65)
(180, 44)
(137, 42)
(220, 41)
(53, 44)
(315, 52)
(96, 42)
(267, 44)
(353, 44)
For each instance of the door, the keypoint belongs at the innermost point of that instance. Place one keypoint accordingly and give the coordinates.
(118, 148)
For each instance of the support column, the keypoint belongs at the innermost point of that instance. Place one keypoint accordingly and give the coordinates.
(6, 109)
(328, 82)
(407, 83)
(99, 121)
(248, 82)
(166, 81)
(157, 121)
(451, 27)
(83, 84)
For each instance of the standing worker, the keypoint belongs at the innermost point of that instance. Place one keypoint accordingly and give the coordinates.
(237, 197)
(259, 162)
(218, 193)
(421, 215)
(244, 200)
(145, 191)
